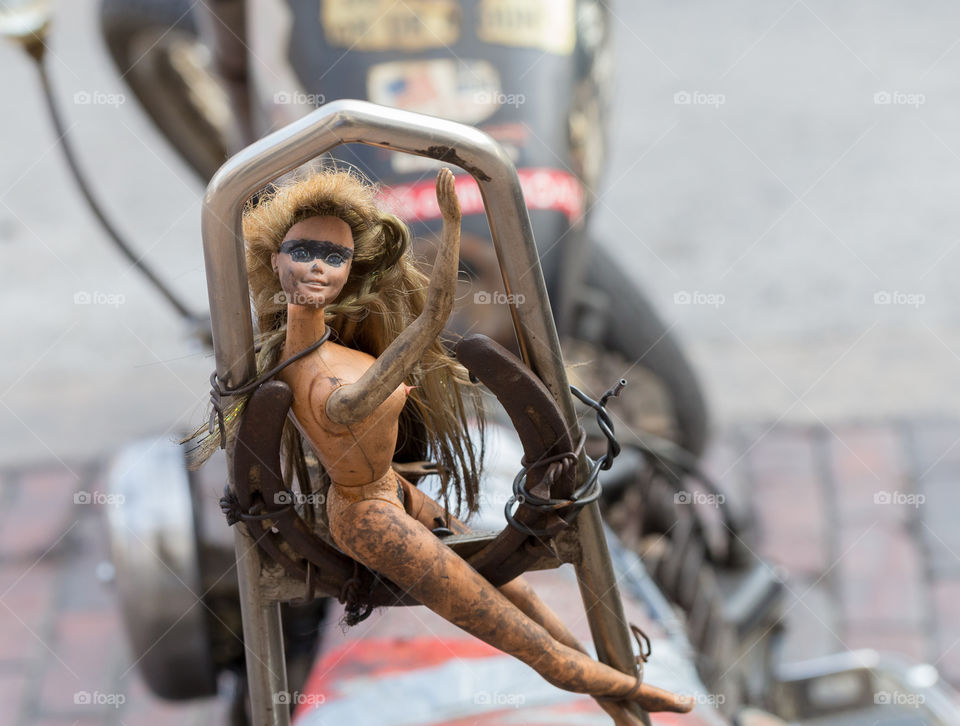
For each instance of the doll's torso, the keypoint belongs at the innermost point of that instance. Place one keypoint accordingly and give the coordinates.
(355, 455)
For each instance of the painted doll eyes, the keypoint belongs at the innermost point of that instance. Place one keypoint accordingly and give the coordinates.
(300, 254)
(334, 259)
(307, 250)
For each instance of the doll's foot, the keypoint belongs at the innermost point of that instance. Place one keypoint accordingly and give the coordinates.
(653, 699)
(447, 196)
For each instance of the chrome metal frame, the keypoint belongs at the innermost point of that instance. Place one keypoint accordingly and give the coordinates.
(251, 169)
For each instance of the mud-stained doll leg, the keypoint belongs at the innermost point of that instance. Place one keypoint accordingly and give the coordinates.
(431, 514)
(391, 542)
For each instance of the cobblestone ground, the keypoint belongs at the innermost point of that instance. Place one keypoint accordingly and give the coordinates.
(61, 637)
(861, 517)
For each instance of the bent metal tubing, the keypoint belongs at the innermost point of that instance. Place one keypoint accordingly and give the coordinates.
(251, 169)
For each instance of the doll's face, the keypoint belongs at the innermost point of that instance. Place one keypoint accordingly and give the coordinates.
(313, 262)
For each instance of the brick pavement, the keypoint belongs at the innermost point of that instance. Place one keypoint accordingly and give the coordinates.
(864, 519)
(861, 516)
(61, 637)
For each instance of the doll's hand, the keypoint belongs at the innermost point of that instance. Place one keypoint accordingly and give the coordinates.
(447, 196)
(354, 402)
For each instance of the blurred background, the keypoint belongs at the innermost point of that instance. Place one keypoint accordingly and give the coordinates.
(781, 182)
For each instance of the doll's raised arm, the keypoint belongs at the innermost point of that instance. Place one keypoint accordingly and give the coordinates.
(353, 402)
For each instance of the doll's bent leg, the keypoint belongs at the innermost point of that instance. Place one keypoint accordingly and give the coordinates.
(428, 511)
(386, 539)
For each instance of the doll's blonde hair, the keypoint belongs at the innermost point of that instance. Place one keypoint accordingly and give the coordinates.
(384, 293)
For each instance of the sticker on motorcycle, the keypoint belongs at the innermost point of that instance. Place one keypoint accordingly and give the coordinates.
(548, 25)
(390, 25)
(465, 91)
(550, 189)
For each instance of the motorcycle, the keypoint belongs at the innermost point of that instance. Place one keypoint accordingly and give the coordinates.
(708, 601)
(261, 62)
(218, 76)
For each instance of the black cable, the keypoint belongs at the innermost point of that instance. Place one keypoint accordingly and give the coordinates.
(586, 493)
(78, 176)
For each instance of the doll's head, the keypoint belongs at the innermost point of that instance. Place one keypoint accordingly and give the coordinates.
(381, 271)
(314, 261)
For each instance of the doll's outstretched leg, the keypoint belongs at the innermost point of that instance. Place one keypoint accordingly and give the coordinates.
(386, 539)
(431, 514)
